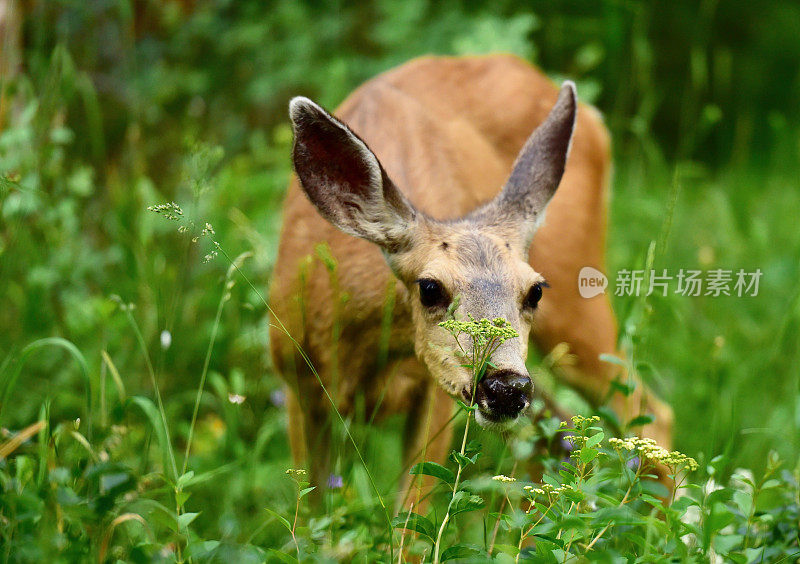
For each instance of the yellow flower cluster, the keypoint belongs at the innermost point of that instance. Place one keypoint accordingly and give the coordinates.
(575, 440)
(649, 450)
(503, 478)
(580, 421)
(296, 472)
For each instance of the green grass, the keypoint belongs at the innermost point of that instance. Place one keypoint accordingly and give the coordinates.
(191, 437)
(64, 491)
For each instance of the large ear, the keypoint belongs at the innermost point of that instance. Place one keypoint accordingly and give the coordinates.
(344, 180)
(538, 169)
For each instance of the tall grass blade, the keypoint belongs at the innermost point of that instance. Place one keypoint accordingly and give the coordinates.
(215, 328)
(153, 416)
(161, 411)
(13, 444)
(47, 342)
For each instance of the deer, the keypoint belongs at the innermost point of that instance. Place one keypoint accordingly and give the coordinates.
(430, 185)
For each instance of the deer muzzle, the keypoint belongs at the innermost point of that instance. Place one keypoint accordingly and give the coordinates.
(503, 395)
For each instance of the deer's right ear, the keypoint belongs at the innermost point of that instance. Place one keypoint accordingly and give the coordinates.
(344, 180)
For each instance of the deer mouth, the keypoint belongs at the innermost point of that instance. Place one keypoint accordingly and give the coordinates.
(491, 419)
(493, 422)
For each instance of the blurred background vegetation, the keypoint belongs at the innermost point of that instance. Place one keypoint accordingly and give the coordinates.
(110, 106)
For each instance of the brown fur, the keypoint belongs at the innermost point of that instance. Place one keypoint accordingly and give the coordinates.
(447, 131)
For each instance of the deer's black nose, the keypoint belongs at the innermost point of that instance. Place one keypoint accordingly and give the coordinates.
(504, 394)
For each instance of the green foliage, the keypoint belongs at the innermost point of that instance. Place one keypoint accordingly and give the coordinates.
(125, 344)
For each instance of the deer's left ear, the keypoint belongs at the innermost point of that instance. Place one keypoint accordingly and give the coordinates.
(538, 169)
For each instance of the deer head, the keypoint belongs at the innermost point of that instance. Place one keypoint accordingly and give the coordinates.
(482, 257)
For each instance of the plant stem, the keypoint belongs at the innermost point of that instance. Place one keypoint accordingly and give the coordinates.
(524, 534)
(203, 376)
(600, 534)
(446, 519)
(294, 526)
(403, 535)
(140, 339)
(502, 506)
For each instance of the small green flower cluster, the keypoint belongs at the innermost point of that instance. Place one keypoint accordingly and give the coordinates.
(483, 331)
(296, 473)
(174, 212)
(213, 254)
(649, 450)
(168, 211)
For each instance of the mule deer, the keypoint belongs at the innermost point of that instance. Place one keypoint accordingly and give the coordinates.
(410, 200)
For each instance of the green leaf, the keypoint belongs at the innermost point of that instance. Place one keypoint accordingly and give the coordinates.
(558, 542)
(415, 522)
(184, 479)
(588, 454)
(281, 519)
(464, 502)
(200, 549)
(595, 439)
(462, 460)
(548, 479)
(719, 518)
(656, 489)
(625, 389)
(682, 504)
(473, 446)
(755, 554)
(182, 497)
(503, 518)
(435, 470)
(574, 495)
(654, 501)
(157, 423)
(210, 475)
(461, 551)
(185, 519)
(11, 382)
(305, 491)
(466, 407)
(640, 421)
(718, 496)
(744, 501)
(507, 549)
(742, 478)
(282, 556)
(726, 543)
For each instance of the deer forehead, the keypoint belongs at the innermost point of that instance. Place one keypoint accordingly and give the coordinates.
(469, 259)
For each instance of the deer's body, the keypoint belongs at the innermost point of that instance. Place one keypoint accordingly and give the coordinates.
(447, 132)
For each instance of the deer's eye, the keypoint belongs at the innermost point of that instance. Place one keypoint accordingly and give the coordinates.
(431, 293)
(533, 297)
